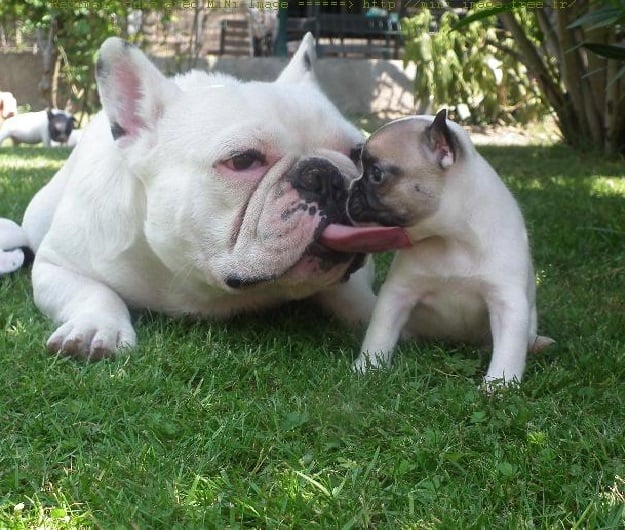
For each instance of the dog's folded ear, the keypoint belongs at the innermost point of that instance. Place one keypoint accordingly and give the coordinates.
(441, 140)
(132, 90)
(302, 66)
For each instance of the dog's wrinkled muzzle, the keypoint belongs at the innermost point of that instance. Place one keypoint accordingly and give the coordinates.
(320, 182)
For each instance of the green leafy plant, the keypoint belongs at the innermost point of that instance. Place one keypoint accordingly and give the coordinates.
(583, 84)
(469, 71)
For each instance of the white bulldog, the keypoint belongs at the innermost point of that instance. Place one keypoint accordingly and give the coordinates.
(201, 195)
(468, 276)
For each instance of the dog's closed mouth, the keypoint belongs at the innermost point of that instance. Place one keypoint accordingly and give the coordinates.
(363, 239)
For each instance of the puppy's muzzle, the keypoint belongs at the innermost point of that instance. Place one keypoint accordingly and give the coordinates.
(365, 206)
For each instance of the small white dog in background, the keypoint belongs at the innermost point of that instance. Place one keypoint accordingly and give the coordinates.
(45, 126)
(469, 274)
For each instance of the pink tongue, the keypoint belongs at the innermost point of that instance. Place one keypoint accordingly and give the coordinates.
(345, 238)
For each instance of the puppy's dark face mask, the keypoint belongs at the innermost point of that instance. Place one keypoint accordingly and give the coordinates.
(404, 172)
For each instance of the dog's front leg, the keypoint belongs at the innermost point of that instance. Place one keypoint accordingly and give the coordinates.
(509, 315)
(95, 321)
(391, 313)
(352, 301)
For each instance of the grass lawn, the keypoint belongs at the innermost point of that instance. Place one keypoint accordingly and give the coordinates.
(258, 422)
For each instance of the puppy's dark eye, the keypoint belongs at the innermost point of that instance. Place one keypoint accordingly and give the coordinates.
(247, 160)
(376, 175)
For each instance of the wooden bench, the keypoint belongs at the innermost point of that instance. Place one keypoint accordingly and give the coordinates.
(350, 35)
(236, 38)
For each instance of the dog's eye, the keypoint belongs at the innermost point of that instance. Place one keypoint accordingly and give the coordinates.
(376, 175)
(247, 160)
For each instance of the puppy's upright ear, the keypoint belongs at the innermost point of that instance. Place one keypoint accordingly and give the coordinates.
(441, 140)
(132, 90)
(302, 65)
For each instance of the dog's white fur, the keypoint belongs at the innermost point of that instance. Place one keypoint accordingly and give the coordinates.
(156, 218)
(12, 238)
(469, 268)
(8, 105)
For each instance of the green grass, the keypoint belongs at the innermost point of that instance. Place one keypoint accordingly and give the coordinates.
(258, 423)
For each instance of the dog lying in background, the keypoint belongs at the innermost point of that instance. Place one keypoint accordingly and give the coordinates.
(468, 276)
(44, 127)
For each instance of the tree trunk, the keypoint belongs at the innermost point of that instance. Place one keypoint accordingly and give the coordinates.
(48, 56)
(610, 111)
(551, 46)
(550, 87)
(572, 74)
(614, 109)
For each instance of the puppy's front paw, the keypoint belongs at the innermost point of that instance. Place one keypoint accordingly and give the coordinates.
(365, 362)
(92, 339)
(492, 385)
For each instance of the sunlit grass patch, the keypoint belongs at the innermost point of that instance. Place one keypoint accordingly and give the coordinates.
(258, 422)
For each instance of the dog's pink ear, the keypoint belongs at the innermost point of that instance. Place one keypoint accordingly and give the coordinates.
(442, 141)
(132, 90)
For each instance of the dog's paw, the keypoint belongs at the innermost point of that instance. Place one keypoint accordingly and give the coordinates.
(11, 260)
(91, 339)
(365, 363)
(495, 384)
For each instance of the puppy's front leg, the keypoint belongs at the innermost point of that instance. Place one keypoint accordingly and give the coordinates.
(95, 322)
(509, 315)
(391, 313)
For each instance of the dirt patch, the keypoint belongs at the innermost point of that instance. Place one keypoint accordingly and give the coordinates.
(544, 133)
(539, 133)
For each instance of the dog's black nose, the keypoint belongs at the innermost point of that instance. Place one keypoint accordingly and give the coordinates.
(317, 180)
(239, 282)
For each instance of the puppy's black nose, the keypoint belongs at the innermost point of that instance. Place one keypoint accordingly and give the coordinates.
(317, 180)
